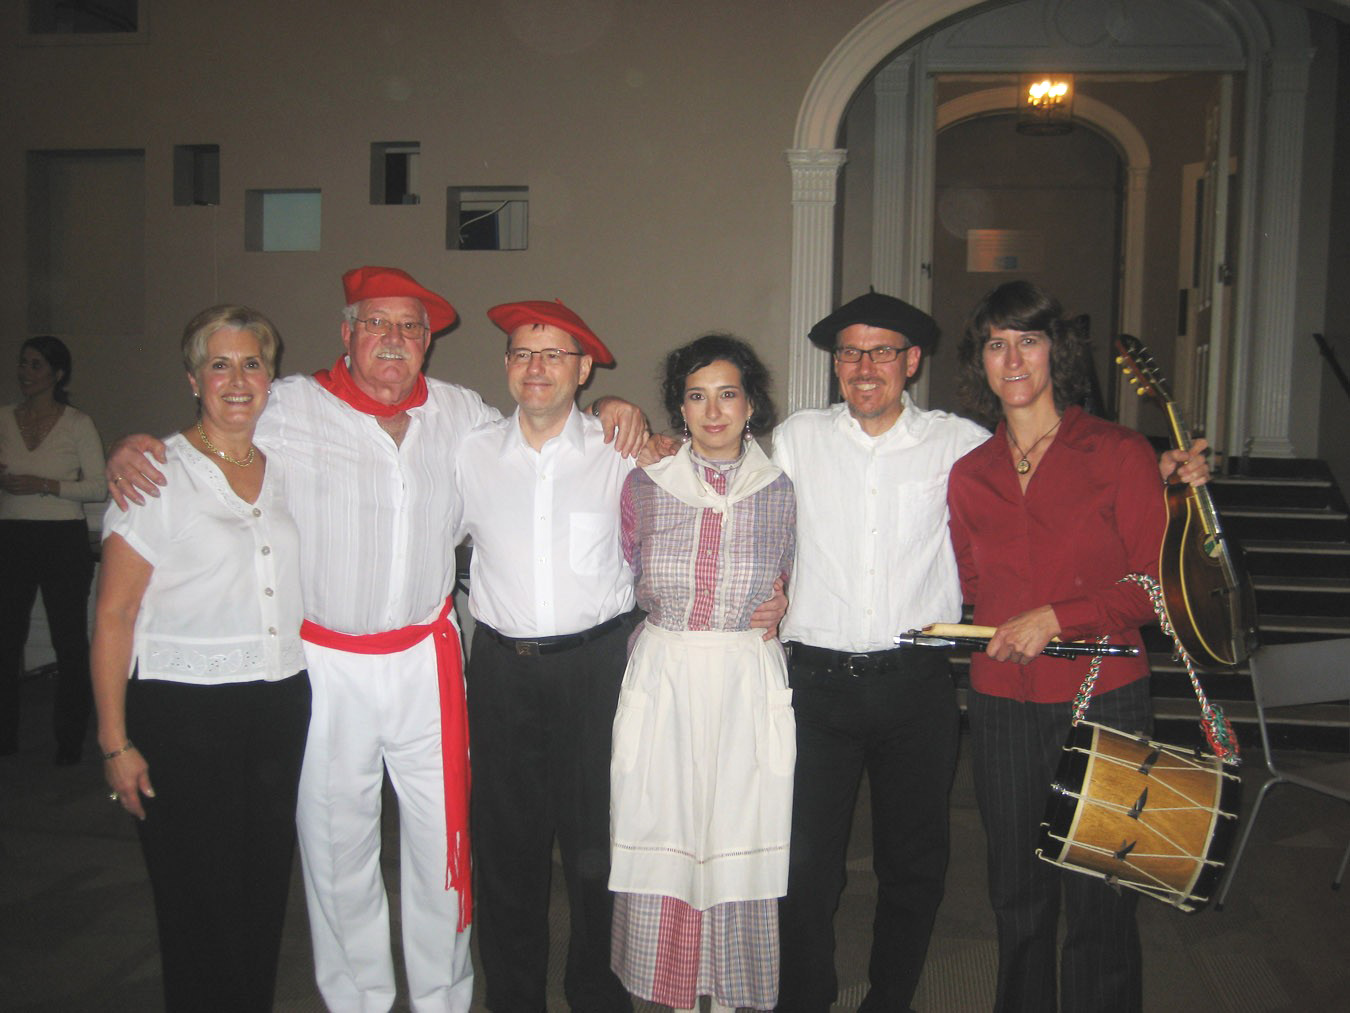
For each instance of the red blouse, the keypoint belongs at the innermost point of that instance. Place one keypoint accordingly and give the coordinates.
(1093, 511)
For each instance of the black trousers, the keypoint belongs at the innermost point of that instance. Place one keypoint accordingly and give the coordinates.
(219, 835)
(540, 731)
(902, 728)
(54, 557)
(1016, 747)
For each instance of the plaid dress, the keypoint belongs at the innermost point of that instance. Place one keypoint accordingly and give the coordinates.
(704, 566)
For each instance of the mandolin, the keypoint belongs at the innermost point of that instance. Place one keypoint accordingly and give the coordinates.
(1205, 587)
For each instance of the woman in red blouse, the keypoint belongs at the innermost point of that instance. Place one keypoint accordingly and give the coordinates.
(1046, 517)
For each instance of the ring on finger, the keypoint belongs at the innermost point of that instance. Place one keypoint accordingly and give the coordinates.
(113, 796)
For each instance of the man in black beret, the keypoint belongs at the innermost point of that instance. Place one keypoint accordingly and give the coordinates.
(873, 560)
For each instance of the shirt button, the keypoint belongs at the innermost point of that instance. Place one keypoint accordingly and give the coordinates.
(271, 631)
(268, 591)
(267, 550)
(257, 512)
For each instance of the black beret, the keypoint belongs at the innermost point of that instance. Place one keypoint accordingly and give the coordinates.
(877, 310)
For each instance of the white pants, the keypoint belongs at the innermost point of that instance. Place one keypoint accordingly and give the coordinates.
(372, 712)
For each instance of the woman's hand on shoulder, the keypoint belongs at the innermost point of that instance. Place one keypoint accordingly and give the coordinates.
(1024, 636)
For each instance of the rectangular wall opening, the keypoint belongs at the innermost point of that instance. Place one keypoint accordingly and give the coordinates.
(86, 242)
(280, 220)
(393, 172)
(487, 218)
(196, 174)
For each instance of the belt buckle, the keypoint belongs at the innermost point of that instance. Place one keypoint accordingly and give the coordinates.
(853, 659)
(527, 648)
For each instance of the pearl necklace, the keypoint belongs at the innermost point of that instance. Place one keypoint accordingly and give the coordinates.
(252, 450)
(1023, 466)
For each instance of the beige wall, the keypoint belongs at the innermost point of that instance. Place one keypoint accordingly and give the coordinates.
(651, 136)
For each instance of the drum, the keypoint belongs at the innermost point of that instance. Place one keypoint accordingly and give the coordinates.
(1139, 814)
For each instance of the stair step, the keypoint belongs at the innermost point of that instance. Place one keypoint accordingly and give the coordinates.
(1267, 480)
(1332, 626)
(1276, 546)
(1300, 584)
(1284, 513)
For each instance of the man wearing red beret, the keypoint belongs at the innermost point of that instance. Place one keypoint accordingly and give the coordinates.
(367, 451)
(553, 601)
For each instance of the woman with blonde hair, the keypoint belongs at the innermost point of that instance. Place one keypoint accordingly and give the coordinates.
(203, 700)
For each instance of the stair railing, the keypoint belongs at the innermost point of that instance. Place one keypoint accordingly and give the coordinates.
(1329, 354)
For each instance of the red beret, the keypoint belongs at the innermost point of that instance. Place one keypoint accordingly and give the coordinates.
(509, 316)
(362, 283)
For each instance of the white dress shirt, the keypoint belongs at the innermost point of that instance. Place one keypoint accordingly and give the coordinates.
(71, 453)
(874, 557)
(376, 518)
(223, 602)
(545, 528)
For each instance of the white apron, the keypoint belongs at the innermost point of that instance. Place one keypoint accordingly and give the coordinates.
(701, 776)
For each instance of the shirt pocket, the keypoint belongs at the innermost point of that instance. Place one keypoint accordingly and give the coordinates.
(921, 511)
(593, 543)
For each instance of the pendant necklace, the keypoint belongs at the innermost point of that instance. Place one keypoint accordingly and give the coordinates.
(252, 450)
(1023, 466)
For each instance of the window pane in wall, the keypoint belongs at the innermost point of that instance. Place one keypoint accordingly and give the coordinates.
(278, 220)
(86, 242)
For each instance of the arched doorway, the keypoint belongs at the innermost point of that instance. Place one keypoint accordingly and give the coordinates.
(1266, 41)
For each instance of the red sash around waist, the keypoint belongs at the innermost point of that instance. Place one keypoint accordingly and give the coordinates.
(454, 728)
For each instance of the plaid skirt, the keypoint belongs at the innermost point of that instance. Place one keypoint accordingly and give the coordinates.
(668, 952)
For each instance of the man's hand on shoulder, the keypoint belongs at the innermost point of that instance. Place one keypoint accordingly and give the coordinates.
(625, 425)
(129, 470)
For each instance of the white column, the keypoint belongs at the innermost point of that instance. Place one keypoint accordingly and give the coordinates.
(815, 175)
(890, 179)
(1272, 339)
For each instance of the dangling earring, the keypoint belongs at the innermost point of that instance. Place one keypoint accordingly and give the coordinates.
(686, 432)
(747, 436)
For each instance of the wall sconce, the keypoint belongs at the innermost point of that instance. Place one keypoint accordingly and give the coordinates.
(1045, 104)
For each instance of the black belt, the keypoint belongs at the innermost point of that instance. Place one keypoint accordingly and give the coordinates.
(850, 663)
(551, 645)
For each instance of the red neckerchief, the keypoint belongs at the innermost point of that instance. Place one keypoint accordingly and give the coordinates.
(338, 382)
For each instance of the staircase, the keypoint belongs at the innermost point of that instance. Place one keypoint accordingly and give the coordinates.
(1290, 520)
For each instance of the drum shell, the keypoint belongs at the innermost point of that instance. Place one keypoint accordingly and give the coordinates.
(1175, 846)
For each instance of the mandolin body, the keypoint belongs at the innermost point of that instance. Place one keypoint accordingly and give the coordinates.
(1208, 598)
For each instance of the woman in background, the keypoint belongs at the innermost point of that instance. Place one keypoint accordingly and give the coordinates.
(1046, 517)
(704, 742)
(51, 464)
(203, 700)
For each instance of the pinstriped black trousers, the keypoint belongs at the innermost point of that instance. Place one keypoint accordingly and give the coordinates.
(1015, 748)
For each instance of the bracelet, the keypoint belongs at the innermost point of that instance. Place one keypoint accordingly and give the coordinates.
(118, 752)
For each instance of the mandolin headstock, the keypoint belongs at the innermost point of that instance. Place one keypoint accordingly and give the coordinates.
(1138, 364)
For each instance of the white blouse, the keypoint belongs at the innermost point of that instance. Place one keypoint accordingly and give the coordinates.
(71, 453)
(223, 602)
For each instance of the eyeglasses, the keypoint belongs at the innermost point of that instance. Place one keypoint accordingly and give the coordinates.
(551, 356)
(882, 353)
(379, 327)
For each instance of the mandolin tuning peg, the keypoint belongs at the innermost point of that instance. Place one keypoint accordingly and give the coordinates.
(1141, 392)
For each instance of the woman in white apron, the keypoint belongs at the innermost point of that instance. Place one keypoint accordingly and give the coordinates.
(704, 742)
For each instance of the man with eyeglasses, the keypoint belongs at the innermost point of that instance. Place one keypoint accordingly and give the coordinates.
(553, 601)
(873, 560)
(367, 448)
